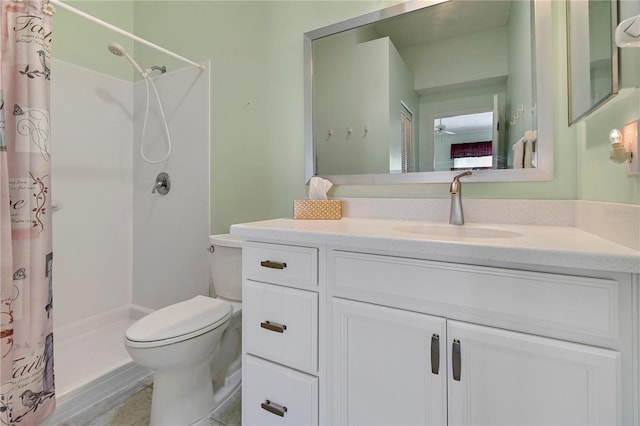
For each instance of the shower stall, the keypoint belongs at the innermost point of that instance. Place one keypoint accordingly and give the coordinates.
(122, 251)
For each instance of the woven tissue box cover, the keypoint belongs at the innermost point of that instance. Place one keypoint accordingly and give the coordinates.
(317, 209)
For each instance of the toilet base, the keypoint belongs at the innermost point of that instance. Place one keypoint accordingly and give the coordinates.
(182, 396)
(231, 385)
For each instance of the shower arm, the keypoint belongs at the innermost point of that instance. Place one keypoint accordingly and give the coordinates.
(123, 32)
(162, 68)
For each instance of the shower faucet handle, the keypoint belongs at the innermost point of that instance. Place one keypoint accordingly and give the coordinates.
(162, 185)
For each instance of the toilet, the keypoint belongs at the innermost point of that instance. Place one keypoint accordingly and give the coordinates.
(194, 347)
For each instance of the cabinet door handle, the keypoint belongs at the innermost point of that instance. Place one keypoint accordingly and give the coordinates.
(435, 354)
(273, 265)
(456, 359)
(273, 408)
(273, 326)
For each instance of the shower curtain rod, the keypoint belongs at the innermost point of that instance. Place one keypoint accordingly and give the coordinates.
(123, 32)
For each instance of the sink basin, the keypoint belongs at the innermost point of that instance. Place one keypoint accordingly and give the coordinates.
(458, 231)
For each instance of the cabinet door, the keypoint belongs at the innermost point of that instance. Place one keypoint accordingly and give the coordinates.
(499, 377)
(389, 366)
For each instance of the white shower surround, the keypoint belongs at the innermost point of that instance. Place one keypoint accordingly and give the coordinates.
(119, 250)
(92, 129)
(171, 232)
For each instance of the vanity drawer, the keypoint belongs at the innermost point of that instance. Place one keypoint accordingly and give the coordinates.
(281, 324)
(567, 306)
(281, 264)
(268, 389)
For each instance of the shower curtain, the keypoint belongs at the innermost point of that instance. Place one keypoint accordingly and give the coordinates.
(26, 337)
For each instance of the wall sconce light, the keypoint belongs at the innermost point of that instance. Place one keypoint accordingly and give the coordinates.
(624, 147)
(618, 152)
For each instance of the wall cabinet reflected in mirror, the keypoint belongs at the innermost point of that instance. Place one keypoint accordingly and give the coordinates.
(592, 55)
(380, 87)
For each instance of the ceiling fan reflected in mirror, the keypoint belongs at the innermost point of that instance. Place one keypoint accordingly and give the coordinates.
(441, 129)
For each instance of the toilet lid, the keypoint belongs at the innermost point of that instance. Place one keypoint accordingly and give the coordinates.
(180, 319)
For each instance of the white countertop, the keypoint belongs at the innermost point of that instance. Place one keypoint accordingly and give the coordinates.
(558, 246)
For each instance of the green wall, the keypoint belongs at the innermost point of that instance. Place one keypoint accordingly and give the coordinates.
(481, 55)
(600, 179)
(349, 77)
(256, 53)
(79, 41)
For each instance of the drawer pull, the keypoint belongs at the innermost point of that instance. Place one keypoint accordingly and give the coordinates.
(273, 326)
(456, 360)
(273, 265)
(435, 354)
(274, 408)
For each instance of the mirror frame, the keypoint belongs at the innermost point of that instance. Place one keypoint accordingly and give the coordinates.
(544, 105)
(576, 116)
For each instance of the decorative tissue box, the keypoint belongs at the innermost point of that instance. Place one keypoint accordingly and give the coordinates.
(317, 209)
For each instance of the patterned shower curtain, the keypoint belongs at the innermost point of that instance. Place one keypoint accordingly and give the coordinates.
(26, 337)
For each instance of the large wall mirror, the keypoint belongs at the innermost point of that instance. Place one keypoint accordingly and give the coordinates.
(593, 55)
(419, 91)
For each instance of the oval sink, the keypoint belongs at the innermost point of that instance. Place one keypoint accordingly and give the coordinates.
(458, 231)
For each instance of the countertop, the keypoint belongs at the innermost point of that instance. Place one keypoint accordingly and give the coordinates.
(558, 246)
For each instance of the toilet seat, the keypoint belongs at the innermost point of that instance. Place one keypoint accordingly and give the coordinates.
(179, 322)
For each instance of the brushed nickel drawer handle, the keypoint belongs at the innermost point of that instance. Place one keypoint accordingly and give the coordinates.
(273, 326)
(435, 354)
(274, 408)
(456, 360)
(273, 265)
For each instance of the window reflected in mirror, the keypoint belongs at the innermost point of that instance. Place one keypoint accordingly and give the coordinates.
(465, 142)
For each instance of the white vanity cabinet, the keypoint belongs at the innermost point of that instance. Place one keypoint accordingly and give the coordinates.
(406, 368)
(393, 365)
(373, 330)
(504, 377)
(398, 367)
(280, 334)
(389, 366)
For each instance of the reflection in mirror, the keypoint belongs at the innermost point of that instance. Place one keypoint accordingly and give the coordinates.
(465, 142)
(382, 81)
(593, 71)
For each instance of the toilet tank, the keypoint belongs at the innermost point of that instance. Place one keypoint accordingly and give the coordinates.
(225, 265)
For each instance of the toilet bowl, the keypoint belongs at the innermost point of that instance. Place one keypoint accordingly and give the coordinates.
(193, 347)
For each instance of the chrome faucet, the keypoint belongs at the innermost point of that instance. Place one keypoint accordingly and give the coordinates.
(456, 217)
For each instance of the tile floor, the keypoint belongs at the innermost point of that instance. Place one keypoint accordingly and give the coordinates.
(135, 411)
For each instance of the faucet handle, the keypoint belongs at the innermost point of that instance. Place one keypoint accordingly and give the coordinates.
(162, 184)
(467, 173)
(455, 183)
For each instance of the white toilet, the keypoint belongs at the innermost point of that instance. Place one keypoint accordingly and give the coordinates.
(194, 347)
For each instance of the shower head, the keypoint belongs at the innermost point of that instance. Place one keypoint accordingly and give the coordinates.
(118, 50)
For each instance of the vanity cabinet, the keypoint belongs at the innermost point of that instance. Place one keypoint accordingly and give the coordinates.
(393, 365)
(506, 377)
(280, 335)
(354, 332)
(398, 367)
(390, 366)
